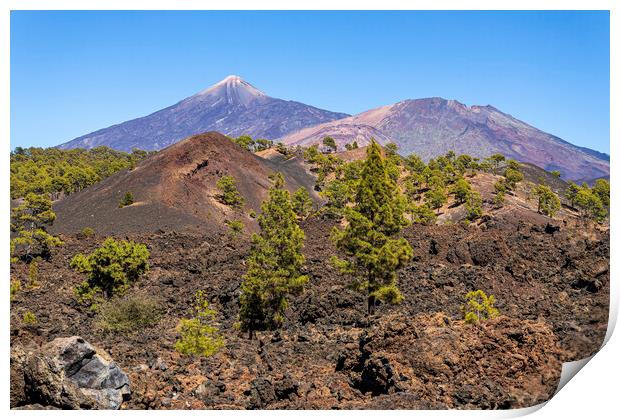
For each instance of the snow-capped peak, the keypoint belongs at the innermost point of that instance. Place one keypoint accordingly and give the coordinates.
(233, 89)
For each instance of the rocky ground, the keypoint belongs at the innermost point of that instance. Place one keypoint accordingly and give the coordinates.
(550, 279)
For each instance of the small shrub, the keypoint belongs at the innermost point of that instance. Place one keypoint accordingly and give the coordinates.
(111, 269)
(500, 194)
(29, 318)
(235, 226)
(129, 313)
(33, 273)
(199, 335)
(16, 286)
(478, 307)
(127, 200)
(87, 232)
(229, 194)
(252, 214)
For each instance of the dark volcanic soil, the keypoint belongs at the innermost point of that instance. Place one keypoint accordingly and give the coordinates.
(552, 288)
(175, 189)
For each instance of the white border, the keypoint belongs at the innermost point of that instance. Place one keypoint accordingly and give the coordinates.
(592, 395)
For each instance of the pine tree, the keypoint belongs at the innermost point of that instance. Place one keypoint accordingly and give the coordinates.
(548, 202)
(199, 336)
(435, 198)
(374, 256)
(590, 204)
(571, 192)
(479, 307)
(602, 188)
(461, 190)
(330, 143)
(246, 142)
(512, 175)
(423, 214)
(229, 194)
(112, 269)
(495, 160)
(500, 193)
(29, 222)
(473, 205)
(302, 204)
(274, 264)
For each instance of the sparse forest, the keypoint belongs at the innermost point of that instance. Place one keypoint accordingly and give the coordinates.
(375, 244)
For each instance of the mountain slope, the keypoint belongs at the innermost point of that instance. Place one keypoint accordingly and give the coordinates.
(176, 189)
(432, 126)
(231, 106)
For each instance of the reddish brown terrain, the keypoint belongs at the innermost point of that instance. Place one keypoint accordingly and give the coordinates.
(176, 189)
(550, 278)
(552, 290)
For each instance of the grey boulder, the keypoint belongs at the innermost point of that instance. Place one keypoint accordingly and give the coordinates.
(70, 373)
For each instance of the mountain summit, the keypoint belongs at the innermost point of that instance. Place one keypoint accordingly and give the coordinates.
(232, 106)
(234, 90)
(431, 127)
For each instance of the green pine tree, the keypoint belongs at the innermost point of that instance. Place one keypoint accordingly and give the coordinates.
(571, 192)
(548, 201)
(435, 198)
(302, 203)
(229, 194)
(330, 143)
(473, 205)
(461, 190)
(29, 222)
(274, 264)
(373, 254)
(111, 269)
(199, 336)
(479, 307)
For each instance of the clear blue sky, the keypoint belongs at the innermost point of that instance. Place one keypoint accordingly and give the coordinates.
(76, 72)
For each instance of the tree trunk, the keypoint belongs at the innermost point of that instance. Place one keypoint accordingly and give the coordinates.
(371, 305)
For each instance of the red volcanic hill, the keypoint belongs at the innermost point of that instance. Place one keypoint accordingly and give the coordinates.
(175, 189)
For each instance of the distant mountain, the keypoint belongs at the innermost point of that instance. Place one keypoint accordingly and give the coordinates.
(432, 126)
(231, 106)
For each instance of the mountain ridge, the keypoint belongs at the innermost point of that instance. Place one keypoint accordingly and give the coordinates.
(427, 126)
(431, 127)
(232, 106)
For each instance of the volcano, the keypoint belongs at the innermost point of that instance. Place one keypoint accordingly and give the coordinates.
(231, 106)
(175, 189)
(432, 126)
